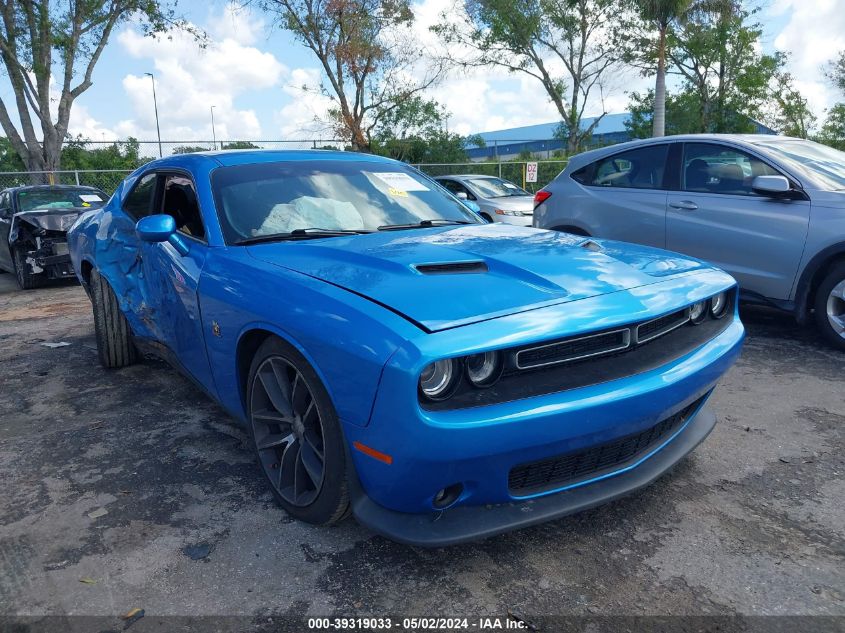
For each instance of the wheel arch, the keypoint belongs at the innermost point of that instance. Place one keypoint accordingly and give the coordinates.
(249, 340)
(812, 276)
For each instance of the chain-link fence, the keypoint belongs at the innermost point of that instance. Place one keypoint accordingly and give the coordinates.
(108, 179)
(105, 179)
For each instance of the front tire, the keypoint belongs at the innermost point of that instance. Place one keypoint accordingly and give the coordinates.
(26, 280)
(830, 306)
(296, 435)
(114, 336)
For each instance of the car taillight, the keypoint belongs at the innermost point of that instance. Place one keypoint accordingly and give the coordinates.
(541, 196)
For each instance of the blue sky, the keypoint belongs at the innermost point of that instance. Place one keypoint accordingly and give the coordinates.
(254, 75)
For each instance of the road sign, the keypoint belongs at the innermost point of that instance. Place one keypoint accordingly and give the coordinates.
(531, 172)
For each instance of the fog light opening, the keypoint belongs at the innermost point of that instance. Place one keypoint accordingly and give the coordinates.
(447, 496)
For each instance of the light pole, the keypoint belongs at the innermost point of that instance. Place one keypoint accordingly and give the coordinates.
(155, 105)
(213, 133)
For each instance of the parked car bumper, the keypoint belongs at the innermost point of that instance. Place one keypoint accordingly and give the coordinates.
(478, 447)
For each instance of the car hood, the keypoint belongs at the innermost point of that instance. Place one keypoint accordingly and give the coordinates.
(51, 219)
(450, 276)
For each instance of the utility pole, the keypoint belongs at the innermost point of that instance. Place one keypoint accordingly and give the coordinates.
(213, 133)
(155, 105)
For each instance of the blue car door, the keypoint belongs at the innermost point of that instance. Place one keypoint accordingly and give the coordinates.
(157, 285)
(172, 279)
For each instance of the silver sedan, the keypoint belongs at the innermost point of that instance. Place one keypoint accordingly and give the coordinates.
(499, 200)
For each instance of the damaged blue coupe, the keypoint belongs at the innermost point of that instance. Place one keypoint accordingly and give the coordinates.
(394, 356)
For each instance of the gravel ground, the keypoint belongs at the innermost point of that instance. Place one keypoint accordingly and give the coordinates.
(130, 489)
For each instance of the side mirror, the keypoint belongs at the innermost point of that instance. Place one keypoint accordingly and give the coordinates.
(771, 185)
(461, 195)
(161, 228)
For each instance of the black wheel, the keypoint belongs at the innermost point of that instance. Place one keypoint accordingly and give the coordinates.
(486, 216)
(114, 336)
(26, 279)
(830, 306)
(296, 435)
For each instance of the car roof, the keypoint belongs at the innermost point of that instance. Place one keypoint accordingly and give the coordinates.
(742, 139)
(232, 157)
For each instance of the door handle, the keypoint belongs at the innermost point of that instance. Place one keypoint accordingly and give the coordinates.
(684, 205)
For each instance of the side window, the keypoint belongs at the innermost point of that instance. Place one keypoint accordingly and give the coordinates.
(139, 202)
(4, 205)
(180, 202)
(455, 187)
(641, 168)
(710, 168)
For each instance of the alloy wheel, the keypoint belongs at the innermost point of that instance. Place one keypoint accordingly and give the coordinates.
(288, 431)
(836, 308)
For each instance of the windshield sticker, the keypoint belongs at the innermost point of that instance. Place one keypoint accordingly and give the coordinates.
(400, 181)
(90, 197)
(397, 192)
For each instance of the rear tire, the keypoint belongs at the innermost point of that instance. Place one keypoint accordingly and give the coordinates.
(296, 435)
(830, 306)
(26, 280)
(114, 336)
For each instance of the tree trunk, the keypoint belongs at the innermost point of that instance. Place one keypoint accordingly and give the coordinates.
(659, 118)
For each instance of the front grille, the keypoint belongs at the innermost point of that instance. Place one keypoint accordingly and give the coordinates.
(573, 349)
(662, 325)
(562, 470)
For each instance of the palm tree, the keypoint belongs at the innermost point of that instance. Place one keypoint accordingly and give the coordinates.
(661, 14)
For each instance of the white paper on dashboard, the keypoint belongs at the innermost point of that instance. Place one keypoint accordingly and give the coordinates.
(400, 181)
(90, 197)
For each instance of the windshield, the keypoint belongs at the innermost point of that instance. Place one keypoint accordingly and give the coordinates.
(496, 188)
(820, 163)
(268, 199)
(31, 199)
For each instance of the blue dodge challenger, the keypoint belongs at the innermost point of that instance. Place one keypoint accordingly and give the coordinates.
(396, 357)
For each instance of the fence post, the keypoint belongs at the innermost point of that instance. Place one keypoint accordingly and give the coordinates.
(76, 175)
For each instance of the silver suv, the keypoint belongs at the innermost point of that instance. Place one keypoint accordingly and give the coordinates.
(770, 210)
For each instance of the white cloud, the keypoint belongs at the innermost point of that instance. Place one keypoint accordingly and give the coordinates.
(190, 79)
(304, 116)
(814, 33)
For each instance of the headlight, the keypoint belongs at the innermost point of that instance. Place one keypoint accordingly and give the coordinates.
(506, 212)
(719, 305)
(439, 379)
(484, 369)
(698, 311)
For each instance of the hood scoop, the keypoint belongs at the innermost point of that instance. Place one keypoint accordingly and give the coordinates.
(590, 245)
(452, 268)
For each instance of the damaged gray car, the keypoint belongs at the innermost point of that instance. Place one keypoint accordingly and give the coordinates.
(33, 229)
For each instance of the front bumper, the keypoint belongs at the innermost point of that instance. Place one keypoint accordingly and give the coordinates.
(467, 523)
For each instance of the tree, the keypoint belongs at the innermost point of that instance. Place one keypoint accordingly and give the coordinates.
(9, 159)
(836, 71)
(715, 49)
(239, 145)
(190, 149)
(657, 15)
(369, 61)
(415, 132)
(792, 115)
(833, 130)
(69, 36)
(78, 154)
(534, 37)
(681, 114)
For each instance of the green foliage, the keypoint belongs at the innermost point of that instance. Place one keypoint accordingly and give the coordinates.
(9, 158)
(189, 149)
(836, 72)
(414, 131)
(681, 117)
(80, 154)
(791, 113)
(833, 130)
(239, 145)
